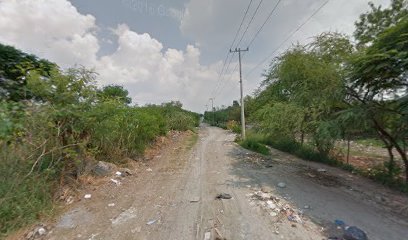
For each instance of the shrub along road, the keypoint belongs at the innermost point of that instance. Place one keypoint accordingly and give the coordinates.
(177, 198)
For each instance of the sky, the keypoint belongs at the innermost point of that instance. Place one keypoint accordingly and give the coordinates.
(163, 50)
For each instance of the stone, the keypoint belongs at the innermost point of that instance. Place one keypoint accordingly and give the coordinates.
(125, 172)
(266, 189)
(124, 216)
(223, 196)
(282, 185)
(103, 169)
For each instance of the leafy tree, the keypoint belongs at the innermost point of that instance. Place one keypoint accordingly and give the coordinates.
(374, 22)
(309, 78)
(279, 120)
(15, 65)
(378, 81)
(115, 92)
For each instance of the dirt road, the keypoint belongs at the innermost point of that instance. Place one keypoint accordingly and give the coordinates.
(174, 198)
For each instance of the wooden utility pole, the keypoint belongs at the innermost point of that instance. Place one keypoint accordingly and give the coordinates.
(212, 108)
(239, 50)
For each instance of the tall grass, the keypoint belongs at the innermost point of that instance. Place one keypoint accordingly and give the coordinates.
(45, 146)
(24, 197)
(254, 143)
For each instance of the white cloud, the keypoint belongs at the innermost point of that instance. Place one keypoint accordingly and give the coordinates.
(153, 74)
(51, 29)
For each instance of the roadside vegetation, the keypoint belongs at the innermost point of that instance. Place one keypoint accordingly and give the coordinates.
(337, 89)
(54, 123)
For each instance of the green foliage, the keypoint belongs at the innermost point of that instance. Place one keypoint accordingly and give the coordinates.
(330, 89)
(114, 92)
(325, 136)
(234, 126)
(220, 117)
(279, 119)
(253, 143)
(374, 22)
(303, 151)
(381, 174)
(23, 198)
(68, 123)
(15, 65)
(377, 85)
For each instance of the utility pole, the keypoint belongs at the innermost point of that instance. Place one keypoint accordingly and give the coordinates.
(239, 50)
(212, 108)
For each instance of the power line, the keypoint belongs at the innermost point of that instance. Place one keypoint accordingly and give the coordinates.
(290, 36)
(254, 37)
(263, 25)
(242, 22)
(226, 82)
(232, 44)
(243, 34)
(249, 24)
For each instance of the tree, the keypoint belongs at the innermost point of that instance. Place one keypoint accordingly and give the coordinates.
(378, 81)
(115, 92)
(15, 66)
(306, 80)
(374, 22)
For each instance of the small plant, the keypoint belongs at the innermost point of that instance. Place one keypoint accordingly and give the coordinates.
(254, 145)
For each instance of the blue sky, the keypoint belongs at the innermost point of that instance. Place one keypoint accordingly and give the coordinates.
(168, 50)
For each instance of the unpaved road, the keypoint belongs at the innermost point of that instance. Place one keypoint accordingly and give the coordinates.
(176, 199)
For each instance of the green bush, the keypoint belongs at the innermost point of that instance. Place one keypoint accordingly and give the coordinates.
(303, 151)
(181, 121)
(47, 141)
(252, 143)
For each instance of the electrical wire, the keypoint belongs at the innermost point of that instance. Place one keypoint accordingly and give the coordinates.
(287, 38)
(263, 25)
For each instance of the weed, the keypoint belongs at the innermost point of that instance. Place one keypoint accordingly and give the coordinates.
(254, 145)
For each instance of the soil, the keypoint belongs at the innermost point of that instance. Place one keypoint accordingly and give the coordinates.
(173, 196)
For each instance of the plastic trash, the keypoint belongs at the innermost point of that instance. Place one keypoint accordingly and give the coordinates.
(41, 231)
(151, 222)
(115, 181)
(354, 233)
(339, 223)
